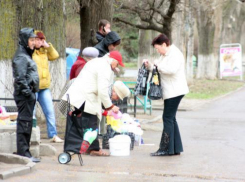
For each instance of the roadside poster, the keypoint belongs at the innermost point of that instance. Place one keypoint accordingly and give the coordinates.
(230, 60)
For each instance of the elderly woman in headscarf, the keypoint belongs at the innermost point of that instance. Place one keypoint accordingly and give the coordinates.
(86, 55)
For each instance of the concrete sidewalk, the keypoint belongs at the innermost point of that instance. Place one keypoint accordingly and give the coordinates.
(213, 140)
(13, 165)
(202, 160)
(10, 169)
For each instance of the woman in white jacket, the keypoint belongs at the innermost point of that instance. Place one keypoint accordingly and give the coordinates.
(171, 66)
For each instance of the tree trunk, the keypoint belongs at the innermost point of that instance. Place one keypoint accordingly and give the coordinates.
(233, 24)
(178, 35)
(146, 51)
(90, 14)
(219, 24)
(190, 42)
(182, 34)
(45, 15)
(207, 62)
(8, 44)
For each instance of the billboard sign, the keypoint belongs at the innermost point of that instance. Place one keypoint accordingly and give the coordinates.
(230, 60)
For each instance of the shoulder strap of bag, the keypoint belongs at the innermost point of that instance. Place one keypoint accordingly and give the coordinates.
(68, 103)
(159, 76)
(153, 72)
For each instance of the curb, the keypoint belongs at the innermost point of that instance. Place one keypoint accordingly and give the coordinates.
(216, 98)
(146, 121)
(179, 109)
(229, 93)
(27, 167)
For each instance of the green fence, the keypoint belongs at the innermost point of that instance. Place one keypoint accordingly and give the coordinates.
(144, 103)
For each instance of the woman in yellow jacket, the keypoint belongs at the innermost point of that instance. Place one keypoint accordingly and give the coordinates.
(43, 53)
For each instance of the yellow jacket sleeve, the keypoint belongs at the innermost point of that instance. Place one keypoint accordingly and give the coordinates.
(52, 53)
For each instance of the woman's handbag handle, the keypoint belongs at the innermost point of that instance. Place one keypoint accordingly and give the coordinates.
(68, 103)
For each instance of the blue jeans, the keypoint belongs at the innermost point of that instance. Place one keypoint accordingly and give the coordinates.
(45, 100)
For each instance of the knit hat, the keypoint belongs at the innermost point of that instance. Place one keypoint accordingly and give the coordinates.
(117, 56)
(40, 34)
(90, 52)
(121, 89)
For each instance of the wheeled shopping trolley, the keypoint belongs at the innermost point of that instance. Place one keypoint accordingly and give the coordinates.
(73, 137)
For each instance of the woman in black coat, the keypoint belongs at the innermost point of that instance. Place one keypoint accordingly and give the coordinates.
(108, 44)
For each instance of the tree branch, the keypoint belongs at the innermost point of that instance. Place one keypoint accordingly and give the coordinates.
(160, 4)
(155, 14)
(141, 15)
(171, 9)
(151, 26)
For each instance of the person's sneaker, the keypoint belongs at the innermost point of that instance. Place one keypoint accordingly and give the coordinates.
(33, 159)
(56, 139)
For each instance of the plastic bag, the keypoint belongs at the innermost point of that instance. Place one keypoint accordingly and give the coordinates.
(155, 92)
(115, 123)
(141, 84)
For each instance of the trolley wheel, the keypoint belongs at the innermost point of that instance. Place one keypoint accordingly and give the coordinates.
(64, 158)
(69, 157)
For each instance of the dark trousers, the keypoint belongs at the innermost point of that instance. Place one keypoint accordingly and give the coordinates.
(25, 107)
(171, 136)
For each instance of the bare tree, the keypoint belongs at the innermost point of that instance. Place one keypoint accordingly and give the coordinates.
(91, 11)
(153, 14)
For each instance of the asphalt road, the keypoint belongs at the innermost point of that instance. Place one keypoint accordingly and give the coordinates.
(213, 138)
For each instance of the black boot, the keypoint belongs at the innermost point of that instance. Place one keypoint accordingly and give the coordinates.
(159, 152)
(175, 154)
(163, 148)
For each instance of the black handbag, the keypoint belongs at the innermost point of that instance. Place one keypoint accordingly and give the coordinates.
(111, 133)
(155, 91)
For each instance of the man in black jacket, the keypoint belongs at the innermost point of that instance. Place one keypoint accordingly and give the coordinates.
(26, 83)
(104, 27)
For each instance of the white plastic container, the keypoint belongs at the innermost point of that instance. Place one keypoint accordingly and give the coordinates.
(120, 145)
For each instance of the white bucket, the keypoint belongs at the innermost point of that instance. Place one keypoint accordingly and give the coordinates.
(120, 145)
